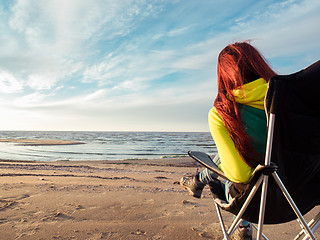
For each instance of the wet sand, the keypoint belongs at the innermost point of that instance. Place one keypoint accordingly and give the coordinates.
(109, 200)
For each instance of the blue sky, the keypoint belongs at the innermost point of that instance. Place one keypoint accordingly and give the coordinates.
(140, 65)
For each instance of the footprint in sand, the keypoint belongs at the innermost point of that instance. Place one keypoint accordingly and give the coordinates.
(211, 231)
(79, 207)
(57, 216)
(167, 213)
(193, 204)
(138, 232)
(5, 204)
(101, 235)
(151, 200)
(11, 201)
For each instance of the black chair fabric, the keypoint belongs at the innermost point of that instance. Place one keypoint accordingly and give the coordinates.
(295, 101)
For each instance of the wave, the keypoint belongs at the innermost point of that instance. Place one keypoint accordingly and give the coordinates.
(174, 156)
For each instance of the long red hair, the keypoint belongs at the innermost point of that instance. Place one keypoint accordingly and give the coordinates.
(238, 64)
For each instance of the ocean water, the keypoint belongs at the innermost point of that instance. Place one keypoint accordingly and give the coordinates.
(105, 145)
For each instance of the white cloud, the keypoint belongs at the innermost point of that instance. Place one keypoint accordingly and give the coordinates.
(199, 61)
(99, 94)
(56, 24)
(104, 71)
(56, 36)
(9, 83)
(29, 100)
(40, 82)
(179, 31)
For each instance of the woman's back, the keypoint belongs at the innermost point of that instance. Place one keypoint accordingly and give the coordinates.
(250, 105)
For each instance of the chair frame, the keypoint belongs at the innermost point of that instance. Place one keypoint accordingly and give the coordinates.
(308, 229)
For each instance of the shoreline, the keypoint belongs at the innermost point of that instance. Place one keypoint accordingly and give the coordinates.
(170, 162)
(129, 199)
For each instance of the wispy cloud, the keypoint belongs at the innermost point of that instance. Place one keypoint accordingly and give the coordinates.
(9, 83)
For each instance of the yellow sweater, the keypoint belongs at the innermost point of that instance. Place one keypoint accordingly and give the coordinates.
(232, 163)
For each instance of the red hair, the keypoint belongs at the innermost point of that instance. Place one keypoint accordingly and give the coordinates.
(238, 64)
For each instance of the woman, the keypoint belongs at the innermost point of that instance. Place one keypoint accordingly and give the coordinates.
(237, 121)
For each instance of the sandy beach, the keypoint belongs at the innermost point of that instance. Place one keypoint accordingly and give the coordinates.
(109, 200)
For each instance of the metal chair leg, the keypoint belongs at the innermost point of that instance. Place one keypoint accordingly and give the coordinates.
(245, 205)
(313, 224)
(293, 205)
(262, 206)
(237, 220)
(224, 231)
(264, 236)
(271, 122)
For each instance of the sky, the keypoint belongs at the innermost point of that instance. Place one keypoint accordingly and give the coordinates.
(136, 65)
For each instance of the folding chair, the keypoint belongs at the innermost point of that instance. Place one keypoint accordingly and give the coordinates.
(288, 185)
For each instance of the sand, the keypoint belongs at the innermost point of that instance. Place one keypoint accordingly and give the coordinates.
(109, 200)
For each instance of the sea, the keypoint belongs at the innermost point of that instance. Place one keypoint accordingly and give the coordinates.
(101, 146)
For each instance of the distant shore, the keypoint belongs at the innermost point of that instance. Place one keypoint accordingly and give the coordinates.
(132, 199)
(40, 142)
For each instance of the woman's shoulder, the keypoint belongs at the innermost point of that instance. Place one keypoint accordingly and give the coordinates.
(215, 118)
(213, 112)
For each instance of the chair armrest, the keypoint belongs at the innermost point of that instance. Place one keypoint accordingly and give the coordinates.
(205, 160)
